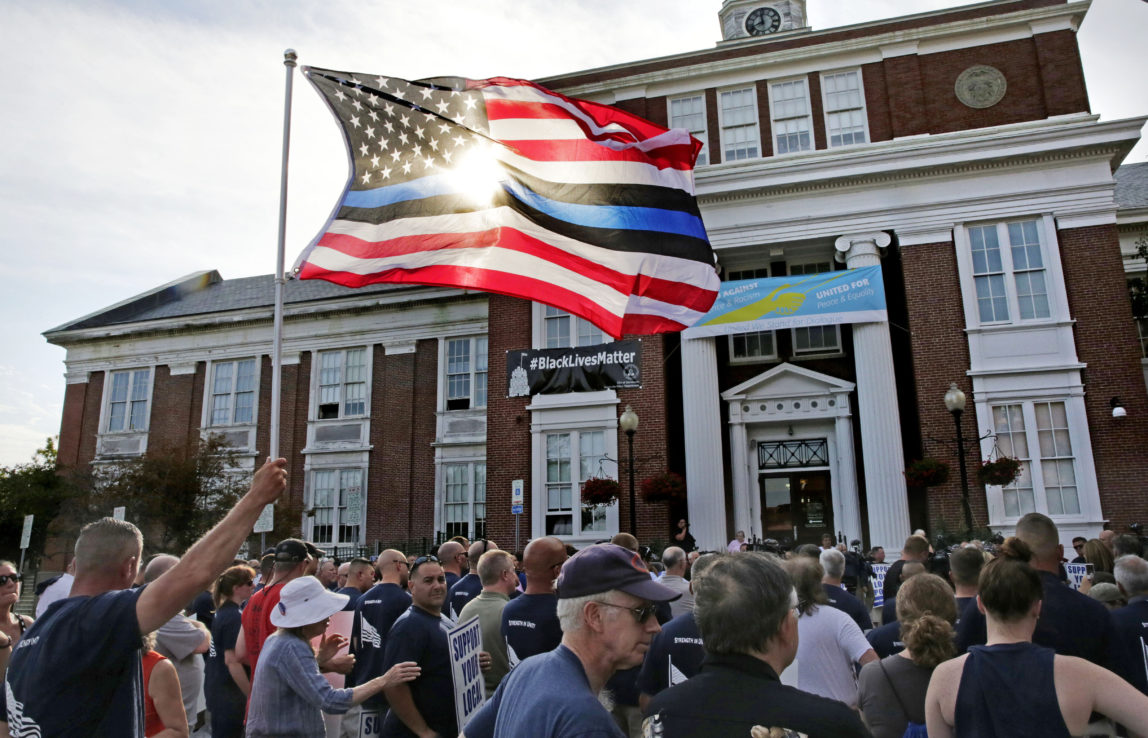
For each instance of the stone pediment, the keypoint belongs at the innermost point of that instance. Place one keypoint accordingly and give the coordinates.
(788, 391)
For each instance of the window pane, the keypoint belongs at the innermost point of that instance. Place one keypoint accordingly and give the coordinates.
(356, 366)
(739, 125)
(244, 407)
(139, 384)
(139, 415)
(220, 409)
(223, 377)
(120, 386)
(116, 416)
(245, 376)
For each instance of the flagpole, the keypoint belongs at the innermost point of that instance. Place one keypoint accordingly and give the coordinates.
(280, 278)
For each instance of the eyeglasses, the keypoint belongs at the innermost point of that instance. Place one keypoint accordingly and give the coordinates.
(401, 562)
(641, 614)
(5, 578)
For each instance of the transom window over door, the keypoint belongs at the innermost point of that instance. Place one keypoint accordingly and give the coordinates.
(739, 136)
(233, 392)
(128, 400)
(464, 500)
(792, 122)
(337, 504)
(1010, 282)
(690, 113)
(342, 383)
(466, 371)
(1047, 481)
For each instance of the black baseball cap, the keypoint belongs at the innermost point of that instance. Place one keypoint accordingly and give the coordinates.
(605, 566)
(293, 549)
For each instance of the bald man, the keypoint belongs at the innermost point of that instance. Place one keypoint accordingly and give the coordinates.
(530, 621)
(452, 556)
(1070, 623)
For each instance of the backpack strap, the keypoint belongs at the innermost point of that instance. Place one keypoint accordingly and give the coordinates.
(893, 688)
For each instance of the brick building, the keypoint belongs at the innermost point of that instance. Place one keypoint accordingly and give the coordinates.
(955, 149)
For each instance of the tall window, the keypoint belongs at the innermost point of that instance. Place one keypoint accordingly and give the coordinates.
(1142, 328)
(817, 339)
(337, 504)
(756, 345)
(1047, 481)
(232, 392)
(690, 113)
(844, 108)
(792, 122)
(342, 383)
(128, 400)
(739, 137)
(585, 452)
(563, 330)
(464, 500)
(1009, 281)
(466, 369)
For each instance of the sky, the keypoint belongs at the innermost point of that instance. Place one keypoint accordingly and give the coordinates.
(142, 140)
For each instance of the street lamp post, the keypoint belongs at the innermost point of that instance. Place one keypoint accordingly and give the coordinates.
(955, 404)
(628, 422)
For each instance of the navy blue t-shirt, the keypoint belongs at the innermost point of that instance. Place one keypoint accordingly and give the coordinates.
(451, 578)
(530, 626)
(203, 608)
(76, 672)
(675, 655)
(463, 591)
(886, 640)
(1131, 642)
(375, 613)
(848, 604)
(219, 686)
(353, 593)
(421, 637)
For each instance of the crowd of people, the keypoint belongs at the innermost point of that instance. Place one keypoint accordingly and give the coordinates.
(589, 643)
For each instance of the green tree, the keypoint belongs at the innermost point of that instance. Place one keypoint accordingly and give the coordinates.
(1138, 286)
(35, 489)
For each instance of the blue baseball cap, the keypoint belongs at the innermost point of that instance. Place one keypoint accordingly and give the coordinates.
(605, 566)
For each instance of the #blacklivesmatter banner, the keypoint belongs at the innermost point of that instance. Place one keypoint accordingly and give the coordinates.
(829, 298)
(615, 365)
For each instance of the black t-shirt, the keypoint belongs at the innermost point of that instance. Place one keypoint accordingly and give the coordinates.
(421, 637)
(218, 684)
(76, 672)
(675, 655)
(733, 693)
(463, 591)
(375, 613)
(530, 626)
(354, 594)
(893, 579)
(203, 608)
(886, 640)
(849, 605)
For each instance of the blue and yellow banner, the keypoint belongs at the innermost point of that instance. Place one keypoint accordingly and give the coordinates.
(829, 298)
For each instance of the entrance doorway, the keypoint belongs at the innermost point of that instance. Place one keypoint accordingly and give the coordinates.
(796, 507)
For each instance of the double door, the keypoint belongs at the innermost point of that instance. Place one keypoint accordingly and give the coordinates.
(796, 506)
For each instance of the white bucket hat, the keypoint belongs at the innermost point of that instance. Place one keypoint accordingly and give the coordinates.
(304, 601)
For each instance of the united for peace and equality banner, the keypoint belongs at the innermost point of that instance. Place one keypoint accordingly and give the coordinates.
(615, 365)
(828, 298)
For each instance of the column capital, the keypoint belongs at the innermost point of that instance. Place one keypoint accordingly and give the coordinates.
(854, 246)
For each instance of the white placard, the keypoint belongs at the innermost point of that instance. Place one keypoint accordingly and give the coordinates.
(26, 534)
(465, 643)
(266, 521)
(1077, 573)
(119, 513)
(878, 580)
(517, 492)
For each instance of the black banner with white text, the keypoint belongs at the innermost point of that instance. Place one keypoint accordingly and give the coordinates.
(615, 365)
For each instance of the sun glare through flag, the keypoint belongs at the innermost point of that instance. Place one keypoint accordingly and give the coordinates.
(503, 186)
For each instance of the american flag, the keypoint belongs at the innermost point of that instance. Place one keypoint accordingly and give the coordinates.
(503, 186)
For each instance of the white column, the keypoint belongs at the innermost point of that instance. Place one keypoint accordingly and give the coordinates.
(845, 487)
(743, 508)
(885, 489)
(701, 415)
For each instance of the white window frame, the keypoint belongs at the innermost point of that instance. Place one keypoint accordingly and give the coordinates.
(587, 466)
(316, 382)
(776, 119)
(580, 328)
(819, 351)
(825, 93)
(750, 273)
(132, 374)
(343, 490)
(475, 376)
(210, 394)
(1050, 268)
(474, 471)
(702, 134)
(755, 127)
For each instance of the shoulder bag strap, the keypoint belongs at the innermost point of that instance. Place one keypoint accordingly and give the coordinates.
(894, 690)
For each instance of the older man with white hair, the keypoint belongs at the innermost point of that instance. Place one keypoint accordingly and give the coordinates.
(606, 608)
(1131, 621)
(676, 563)
(833, 562)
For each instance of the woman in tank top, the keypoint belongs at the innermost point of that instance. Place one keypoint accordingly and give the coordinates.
(1011, 687)
(164, 716)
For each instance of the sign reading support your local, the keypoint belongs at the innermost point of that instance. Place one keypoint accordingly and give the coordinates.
(465, 643)
(878, 581)
(829, 298)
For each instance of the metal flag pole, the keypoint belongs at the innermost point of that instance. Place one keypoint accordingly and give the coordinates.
(280, 277)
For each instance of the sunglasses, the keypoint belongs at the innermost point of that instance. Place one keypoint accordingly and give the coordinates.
(425, 560)
(1078, 546)
(641, 614)
(5, 578)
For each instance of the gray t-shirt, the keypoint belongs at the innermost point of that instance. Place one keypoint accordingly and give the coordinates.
(879, 706)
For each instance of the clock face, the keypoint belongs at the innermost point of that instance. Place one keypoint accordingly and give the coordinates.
(761, 21)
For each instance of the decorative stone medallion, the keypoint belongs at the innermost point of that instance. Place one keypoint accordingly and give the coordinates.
(981, 86)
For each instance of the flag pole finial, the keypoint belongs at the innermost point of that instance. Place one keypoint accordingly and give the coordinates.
(289, 57)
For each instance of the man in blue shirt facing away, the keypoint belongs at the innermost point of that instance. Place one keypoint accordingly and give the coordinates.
(76, 672)
(530, 621)
(468, 587)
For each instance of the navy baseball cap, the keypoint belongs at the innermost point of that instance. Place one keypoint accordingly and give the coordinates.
(293, 549)
(605, 566)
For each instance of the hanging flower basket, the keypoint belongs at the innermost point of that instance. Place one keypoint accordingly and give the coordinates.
(999, 472)
(598, 491)
(666, 487)
(926, 473)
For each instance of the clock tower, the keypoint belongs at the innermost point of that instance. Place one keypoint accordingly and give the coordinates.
(742, 19)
